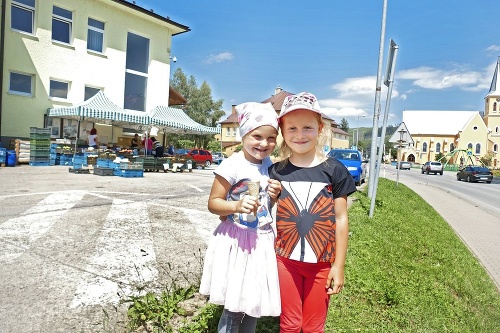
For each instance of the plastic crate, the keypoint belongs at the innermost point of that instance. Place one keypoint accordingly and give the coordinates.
(36, 130)
(3, 155)
(40, 153)
(131, 166)
(128, 173)
(40, 163)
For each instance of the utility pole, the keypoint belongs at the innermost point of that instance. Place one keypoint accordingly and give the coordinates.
(376, 108)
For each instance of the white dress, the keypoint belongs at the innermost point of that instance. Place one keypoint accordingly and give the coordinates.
(240, 269)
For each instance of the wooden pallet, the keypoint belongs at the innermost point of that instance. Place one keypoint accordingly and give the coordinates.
(80, 171)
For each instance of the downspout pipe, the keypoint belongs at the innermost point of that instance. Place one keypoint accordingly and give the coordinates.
(2, 55)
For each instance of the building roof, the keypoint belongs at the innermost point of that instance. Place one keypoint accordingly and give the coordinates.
(339, 130)
(176, 28)
(495, 85)
(175, 98)
(233, 118)
(436, 122)
(278, 98)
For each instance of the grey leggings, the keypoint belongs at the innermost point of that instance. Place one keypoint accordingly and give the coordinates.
(236, 322)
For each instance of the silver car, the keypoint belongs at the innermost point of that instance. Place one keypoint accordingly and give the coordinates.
(433, 167)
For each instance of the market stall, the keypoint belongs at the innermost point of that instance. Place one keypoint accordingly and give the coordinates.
(101, 110)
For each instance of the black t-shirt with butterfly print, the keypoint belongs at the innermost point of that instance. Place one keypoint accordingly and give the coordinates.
(305, 216)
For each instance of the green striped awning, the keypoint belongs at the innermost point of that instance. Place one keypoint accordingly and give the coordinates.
(177, 121)
(100, 109)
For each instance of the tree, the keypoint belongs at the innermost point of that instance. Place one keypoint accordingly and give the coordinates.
(344, 125)
(200, 107)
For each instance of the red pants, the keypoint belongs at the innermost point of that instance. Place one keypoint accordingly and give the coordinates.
(304, 301)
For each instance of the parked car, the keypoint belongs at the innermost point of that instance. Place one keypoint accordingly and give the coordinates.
(181, 151)
(353, 161)
(433, 167)
(218, 157)
(403, 165)
(201, 156)
(473, 173)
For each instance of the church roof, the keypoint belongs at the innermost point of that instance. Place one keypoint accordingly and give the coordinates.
(495, 85)
(436, 122)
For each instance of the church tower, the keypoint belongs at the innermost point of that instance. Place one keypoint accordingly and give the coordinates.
(492, 114)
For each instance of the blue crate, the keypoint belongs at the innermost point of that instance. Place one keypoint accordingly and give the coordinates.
(40, 164)
(128, 173)
(104, 163)
(114, 165)
(3, 155)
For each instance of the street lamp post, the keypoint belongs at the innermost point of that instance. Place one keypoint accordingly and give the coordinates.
(357, 130)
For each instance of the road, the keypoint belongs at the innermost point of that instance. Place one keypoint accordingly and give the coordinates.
(471, 209)
(70, 244)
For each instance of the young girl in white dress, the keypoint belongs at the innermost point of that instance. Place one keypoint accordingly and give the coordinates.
(240, 269)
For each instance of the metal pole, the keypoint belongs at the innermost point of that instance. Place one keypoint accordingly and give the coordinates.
(391, 67)
(376, 108)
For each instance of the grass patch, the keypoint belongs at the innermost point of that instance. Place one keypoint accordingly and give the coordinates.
(406, 271)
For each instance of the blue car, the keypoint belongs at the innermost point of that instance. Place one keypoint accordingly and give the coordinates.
(353, 161)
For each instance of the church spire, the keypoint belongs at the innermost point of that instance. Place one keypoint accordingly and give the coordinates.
(495, 85)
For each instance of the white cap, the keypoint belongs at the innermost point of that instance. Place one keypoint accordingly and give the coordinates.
(300, 101)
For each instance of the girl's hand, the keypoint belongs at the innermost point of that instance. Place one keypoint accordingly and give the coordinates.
(273, 188)
(247, 205)
(335, 281)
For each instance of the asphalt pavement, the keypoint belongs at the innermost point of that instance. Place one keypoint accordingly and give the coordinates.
(478, 228)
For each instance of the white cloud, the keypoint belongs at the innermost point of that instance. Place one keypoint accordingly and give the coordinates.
(354, 97)
(438, 79)
(493, 48)
(216, 58)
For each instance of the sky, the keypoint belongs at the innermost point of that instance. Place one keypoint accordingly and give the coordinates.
(447, 51)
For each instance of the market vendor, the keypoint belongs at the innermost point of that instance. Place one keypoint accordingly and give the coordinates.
(134, 143)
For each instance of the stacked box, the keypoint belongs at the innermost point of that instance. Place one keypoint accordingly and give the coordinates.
(128, 173)
(66, 159)
(131, 165)
(78, 161)
(3, 155)
(103, 163)
(39, 146)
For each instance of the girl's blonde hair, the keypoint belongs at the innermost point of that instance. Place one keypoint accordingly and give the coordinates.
(285, 152)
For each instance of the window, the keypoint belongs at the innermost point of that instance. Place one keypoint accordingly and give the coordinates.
(424, 147)
(495, 148)
(21, 84)
(95, 36)
(59, 89)
(136, 73)
(495, 106)
(135, 91)
(62, 20)
(452, 147)
(474, 128)
(228, 131)
(137, 53)
(22, 15)
(438, 147)
(478, 148)
(496, 129)
(469, 146)
(90, 92)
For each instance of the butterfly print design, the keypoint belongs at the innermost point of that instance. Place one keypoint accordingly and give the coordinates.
(314, 225)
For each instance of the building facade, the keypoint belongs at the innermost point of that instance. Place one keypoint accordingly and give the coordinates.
(442, 132)
(60, 53)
